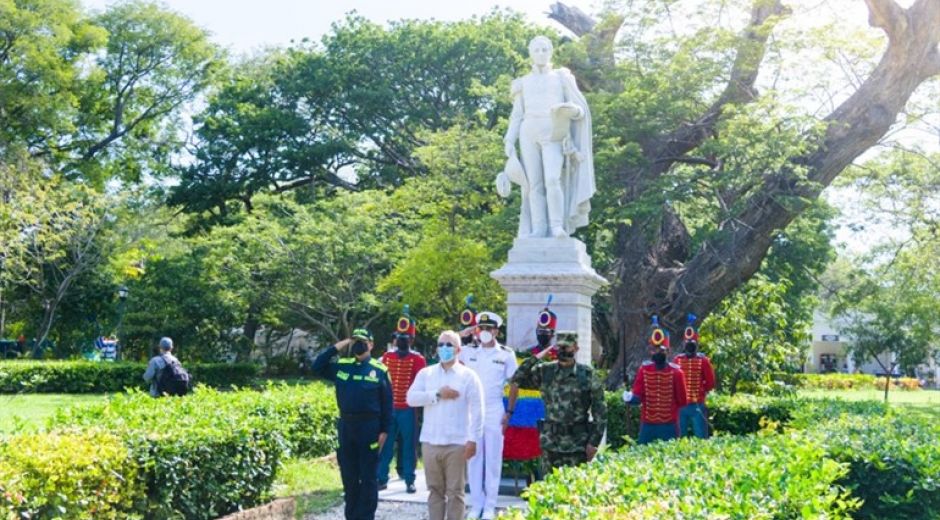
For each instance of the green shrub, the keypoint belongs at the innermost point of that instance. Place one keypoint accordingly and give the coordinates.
(742, 414)
(844, 381)
(199, 460)
(213, 452)
(304, 416)
(749, 477)
(68, 475)
(830, 447)
(622, 420)
(77, 377)
(739, 414)
(894, 464)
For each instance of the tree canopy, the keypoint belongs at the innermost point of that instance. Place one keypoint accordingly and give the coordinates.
(322, 185)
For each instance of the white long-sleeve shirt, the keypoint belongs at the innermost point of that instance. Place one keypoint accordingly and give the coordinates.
(448, 421)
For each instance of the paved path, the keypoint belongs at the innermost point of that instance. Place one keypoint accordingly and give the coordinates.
(396, 504)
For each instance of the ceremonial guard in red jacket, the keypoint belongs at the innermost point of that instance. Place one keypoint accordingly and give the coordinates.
(699, 380)
(659, 387)
(403, 365)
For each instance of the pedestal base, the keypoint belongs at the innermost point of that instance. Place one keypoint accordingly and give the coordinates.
(538, 267)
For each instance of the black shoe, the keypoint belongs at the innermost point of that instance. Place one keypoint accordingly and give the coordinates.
(383, 486)
(410, 488)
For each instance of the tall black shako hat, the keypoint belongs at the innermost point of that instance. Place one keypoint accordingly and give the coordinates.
(406, 325)
(659, 337)
(468, 316)
(690, 335)
(548, 320)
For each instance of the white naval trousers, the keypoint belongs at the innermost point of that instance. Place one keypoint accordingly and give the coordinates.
(485, 468)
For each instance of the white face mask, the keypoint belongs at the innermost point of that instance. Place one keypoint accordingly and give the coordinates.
(486, 336)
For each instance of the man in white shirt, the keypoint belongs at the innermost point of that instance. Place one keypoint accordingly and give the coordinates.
(494, 364)
(452, 398)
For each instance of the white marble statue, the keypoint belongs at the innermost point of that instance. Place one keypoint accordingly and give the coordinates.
(551, 120)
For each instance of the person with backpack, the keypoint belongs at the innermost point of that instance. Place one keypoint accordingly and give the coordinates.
(165, 373)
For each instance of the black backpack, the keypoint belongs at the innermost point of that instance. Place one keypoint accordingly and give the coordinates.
(174, 379)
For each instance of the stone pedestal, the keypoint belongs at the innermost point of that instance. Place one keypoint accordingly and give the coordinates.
(538, 267)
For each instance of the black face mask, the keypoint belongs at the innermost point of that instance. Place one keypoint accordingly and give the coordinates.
(403, 346)
(660, 359)
(690, 348)
(544, 339)
(359, 348)
(565, 354)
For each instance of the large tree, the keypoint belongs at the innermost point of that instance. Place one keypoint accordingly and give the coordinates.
(348, 112)
(97, 97)
(763, 169)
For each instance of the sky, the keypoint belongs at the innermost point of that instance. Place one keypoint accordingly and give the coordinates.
(247, 25)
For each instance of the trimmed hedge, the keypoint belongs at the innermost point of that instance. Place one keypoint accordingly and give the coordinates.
(752, 477)
(844, 381)
(742, 414)
(79, 377)
(74, 475)
(894, 464)
(811, 458)
(210, 453)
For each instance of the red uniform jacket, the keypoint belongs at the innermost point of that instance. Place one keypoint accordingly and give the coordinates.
(699, 376)
(661, 392)
(402, 372)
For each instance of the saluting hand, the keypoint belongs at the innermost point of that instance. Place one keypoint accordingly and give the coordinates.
(341, 345)
(546, 351)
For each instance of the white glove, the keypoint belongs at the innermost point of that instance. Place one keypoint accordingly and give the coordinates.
(503, 186)
(627, 396)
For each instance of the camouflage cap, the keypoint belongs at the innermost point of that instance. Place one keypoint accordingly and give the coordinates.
(565, 338)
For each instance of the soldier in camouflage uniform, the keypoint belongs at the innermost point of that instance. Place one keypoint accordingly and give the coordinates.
(573, 396)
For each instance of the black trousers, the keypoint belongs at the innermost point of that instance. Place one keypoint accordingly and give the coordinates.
(358, 457)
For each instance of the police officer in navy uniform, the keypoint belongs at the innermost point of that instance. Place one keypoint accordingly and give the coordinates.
(364, 397)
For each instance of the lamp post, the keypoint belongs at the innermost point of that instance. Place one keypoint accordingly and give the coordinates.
(122, 297)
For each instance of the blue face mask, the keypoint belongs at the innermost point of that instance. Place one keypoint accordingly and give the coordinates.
(446, 353)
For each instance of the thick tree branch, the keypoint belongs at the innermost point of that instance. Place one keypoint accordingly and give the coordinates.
(740, 87)
(572, 18)
(932, 67)
(887, 15)
(713, 164)
(855, 126)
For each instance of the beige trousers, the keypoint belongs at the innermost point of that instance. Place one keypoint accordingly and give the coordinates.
(445, 470)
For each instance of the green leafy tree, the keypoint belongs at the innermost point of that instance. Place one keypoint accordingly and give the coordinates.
(751, 334)
(99, 97)
(701, 164)
(53, 234)
(359, 102)
(44, 44)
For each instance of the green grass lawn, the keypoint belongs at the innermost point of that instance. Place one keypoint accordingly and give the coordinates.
(315, 483)
(32, 410)
(925, 401)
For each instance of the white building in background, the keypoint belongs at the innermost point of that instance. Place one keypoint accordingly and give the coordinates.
(828, 353)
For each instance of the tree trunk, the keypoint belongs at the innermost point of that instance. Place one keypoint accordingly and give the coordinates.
(656, 273)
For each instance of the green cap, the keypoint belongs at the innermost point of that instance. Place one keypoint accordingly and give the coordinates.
(362, 334)
(566, 338)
